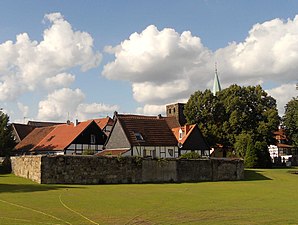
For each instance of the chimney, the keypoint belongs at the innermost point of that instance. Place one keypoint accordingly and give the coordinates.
(115, 115)
(159, 116)
(76, 122)
(68, 122)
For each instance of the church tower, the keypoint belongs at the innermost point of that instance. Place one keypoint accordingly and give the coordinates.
(216, 84)
(176, 110)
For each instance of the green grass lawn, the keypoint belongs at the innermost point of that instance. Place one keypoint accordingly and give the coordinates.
(264, 197)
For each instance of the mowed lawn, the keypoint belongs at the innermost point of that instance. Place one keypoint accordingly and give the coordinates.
(264, 197)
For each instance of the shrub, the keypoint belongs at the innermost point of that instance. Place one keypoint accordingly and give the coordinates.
(250, 159)
(190, 155)
(88, 151)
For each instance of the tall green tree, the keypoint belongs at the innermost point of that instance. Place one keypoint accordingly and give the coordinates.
(263, 155)
(233, 115)
(290, 121)
(6, 138)
(251, 110)
(241, 143)
(208, 112)
(250, 159)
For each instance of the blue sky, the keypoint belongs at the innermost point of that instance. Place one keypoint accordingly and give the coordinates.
(50, 76)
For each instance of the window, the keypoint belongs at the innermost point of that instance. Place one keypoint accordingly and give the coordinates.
(146, 153)
(180, 134)
(92, 139)
(171, 152)
(139, 137)
(149, 153)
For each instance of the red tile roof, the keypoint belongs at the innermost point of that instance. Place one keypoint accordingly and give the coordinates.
(57, 137)
(154, 130)
(42, 123)
(62, 136)
(33, 138)
(21, 130)
(172, 122)
(187, 129)
(103, 122)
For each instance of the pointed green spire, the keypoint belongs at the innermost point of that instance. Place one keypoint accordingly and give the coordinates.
(216, 84)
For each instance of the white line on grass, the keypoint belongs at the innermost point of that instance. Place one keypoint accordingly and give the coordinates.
(81, 215)
(34, 210)
(24, 220)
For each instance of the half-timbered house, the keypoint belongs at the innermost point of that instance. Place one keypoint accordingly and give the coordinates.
(70, 138)
(153, 136)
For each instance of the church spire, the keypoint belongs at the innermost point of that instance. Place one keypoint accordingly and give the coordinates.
(216, 84)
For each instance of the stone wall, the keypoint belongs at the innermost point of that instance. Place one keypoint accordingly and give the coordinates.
(106, 170)
(27, 166)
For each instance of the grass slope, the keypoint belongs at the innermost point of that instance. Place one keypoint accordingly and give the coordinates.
(264, 197)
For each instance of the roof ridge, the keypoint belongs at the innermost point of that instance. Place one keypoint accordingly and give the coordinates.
(135, 116)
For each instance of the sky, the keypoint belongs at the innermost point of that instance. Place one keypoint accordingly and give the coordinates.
(86, 59)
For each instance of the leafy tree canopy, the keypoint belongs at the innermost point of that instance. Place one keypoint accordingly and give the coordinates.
(6, 139)
(235, 117)
(290, 120)
(209, 113)
(251, 110)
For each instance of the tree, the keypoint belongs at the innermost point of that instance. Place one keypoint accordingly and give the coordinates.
(234, 114)
(290, 121)
(241, 143)
(208, 112)
(263, 155)
(250, 159)
(251, 110)
(6, 138)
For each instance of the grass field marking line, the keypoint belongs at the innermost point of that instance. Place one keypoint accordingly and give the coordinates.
(25, 220)
(81, 215)
(34, 210)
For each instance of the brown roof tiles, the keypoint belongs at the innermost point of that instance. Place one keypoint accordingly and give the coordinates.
(57, 137)
(32, 139)
(103, 122)
(154, 130)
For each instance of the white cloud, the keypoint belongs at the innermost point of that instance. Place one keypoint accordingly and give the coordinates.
(9, 87)
(152, 110)
(164, 66)
(60, 80)
(96, 107)
(24, 109)
(60, 104)
(66, 104)
(95, 110)
(150, 92)
(284, 94)
(155, 56)
(28, 65)
(269, 52)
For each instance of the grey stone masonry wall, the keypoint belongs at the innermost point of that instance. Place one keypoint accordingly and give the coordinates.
(27, 166)
(107, 170)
